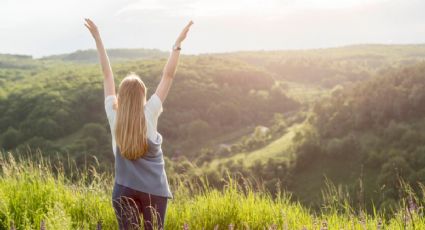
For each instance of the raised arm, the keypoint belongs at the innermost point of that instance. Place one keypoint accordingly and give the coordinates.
(170, 68)
(108, 80)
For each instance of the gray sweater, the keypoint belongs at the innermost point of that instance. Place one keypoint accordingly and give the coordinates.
(146, 174)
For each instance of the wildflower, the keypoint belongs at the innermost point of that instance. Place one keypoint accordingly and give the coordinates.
(413, 208)
(273, 227)
(42, 225)
(185, 226)
(363, 220)
(324, 225)
(231, 226)
(379, 226)
(314, 222)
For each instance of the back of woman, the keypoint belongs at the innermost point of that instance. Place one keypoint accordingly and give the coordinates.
(141, 188)
(146, 173)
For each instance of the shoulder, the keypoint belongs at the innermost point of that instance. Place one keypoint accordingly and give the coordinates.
(154, 104)
(110, 99)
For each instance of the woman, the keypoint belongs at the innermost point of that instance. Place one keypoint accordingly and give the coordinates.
(141, 185)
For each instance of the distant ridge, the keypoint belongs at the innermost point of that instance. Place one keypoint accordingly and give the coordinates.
(15, 56)
(123, 54)
(114, 54)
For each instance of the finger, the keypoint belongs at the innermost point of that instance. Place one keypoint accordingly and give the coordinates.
(87, 26)
(91, 22)
(87, 22)
(187, 27)
(190, 24)
(185, 31)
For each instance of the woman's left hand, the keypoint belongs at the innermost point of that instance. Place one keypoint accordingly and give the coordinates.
(183, 34)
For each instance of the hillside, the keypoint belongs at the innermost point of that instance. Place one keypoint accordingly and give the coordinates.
(287, 118)
(353, 136)
(365, 138)
(58, 106)
(333, 66)
(373, 132)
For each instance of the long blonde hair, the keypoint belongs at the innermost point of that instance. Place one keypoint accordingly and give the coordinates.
(130, 125)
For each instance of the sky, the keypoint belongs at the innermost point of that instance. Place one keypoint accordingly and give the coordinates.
(46, 27)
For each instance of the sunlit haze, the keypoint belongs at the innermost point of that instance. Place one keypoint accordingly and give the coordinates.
(47, 27)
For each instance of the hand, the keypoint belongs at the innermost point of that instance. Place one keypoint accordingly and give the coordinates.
(183, 34)
(92, 28)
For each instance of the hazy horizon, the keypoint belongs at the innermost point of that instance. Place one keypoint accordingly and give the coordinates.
(223, 52)
(49, 27)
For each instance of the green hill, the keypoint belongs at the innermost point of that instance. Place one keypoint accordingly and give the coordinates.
(58, 106)
(288, 118)
(373, 131)
(363, 136)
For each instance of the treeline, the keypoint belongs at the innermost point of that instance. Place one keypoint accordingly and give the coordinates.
(91, 56)
(367, 138)
(373, 132)
(60, 108)
(336, 66)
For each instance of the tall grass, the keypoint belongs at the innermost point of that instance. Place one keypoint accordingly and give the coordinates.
(32, 191)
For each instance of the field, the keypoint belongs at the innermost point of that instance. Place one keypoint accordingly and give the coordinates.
(279, 150)
(32, 192)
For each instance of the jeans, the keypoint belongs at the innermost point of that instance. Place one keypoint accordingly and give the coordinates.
(129, 205)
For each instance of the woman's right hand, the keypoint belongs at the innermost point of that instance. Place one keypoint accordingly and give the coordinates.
(109, 84)
(92, 28)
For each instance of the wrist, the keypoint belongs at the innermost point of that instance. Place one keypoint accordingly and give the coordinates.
(176, 47)
(96, 36)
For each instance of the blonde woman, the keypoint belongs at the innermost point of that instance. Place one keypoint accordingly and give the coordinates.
(141, 187)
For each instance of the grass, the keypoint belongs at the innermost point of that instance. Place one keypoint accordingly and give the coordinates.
(279, 150)
(35, 190)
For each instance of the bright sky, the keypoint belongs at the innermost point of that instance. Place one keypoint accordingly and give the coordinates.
(45, 27)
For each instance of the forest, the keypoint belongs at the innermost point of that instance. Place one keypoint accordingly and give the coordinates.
(291, 120)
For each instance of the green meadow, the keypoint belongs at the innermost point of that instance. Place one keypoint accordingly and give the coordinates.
(34, 193)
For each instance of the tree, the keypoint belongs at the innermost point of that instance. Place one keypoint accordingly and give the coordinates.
(395, 169)
(48, 128)
(225, 113)
(197, 129)
(11, 138)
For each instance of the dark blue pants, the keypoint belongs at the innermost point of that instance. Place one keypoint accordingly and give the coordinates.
(130, 205)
